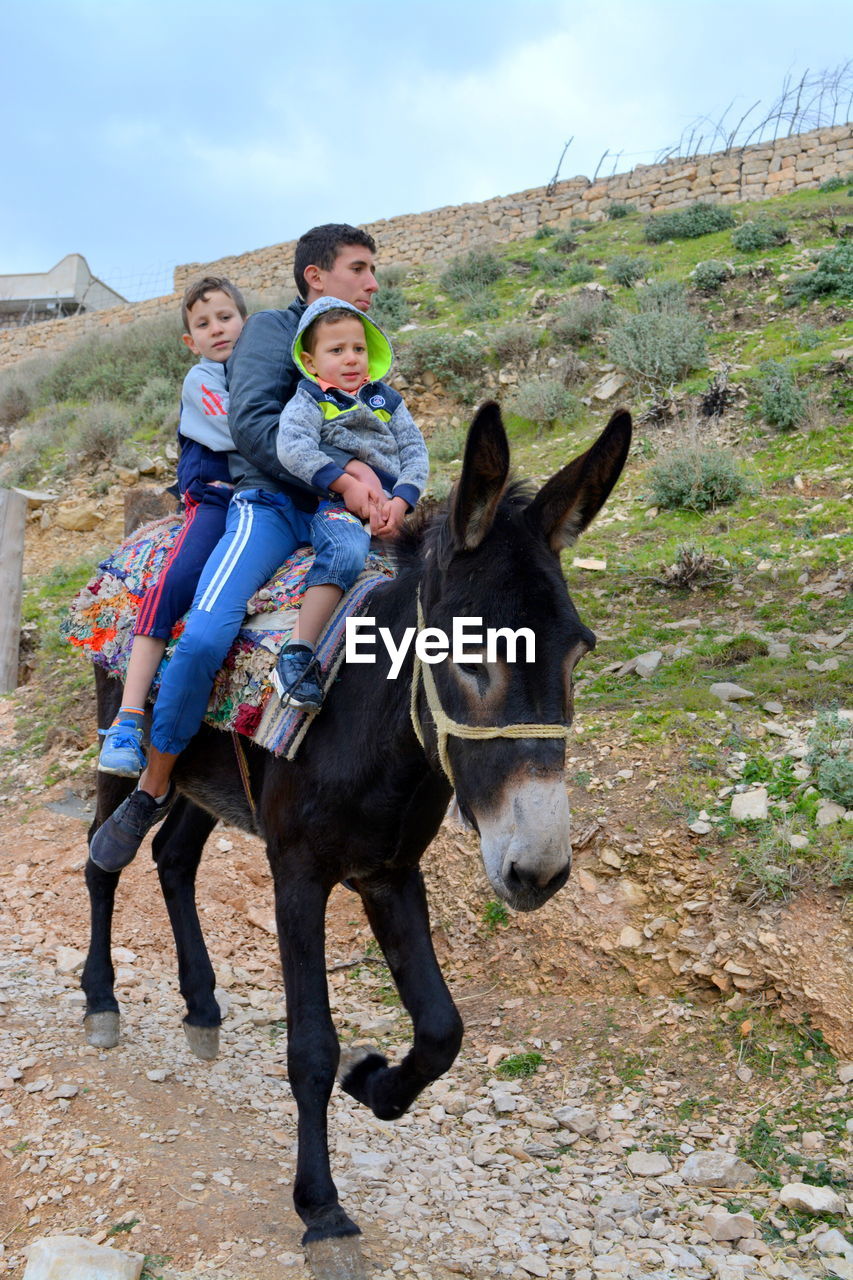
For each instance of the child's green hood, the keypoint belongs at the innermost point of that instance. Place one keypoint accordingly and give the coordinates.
(379, 352)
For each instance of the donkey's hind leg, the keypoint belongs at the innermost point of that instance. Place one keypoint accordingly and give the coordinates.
(101, 1019)
(399, 918)
(177, 849)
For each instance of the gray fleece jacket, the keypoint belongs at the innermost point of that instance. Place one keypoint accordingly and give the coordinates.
(374, 425)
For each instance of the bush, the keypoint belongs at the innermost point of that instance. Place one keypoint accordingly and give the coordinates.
(515, 342)
(783, 405)
(662, 295)
(697, 478)
(565, 242)
(102, 431)
(543, 401)
(157, 400)
(390, 307)
(389, 277)
(481, 306)
(698, 219)
(15, 403)
(447, 443)
(626, 270)
(581, 316)
(830, 746)
(471, 273)
(662, 346)
(580, 272)
(837, 183)
(619, 209)
(549, 266)
(117, 365)
(832, 275)
(43, 449)
(752, 237)
(708, 276)
(544, 232)
(454, 360)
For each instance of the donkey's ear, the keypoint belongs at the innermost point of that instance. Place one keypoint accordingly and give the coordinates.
(571, 499)
(484, 473)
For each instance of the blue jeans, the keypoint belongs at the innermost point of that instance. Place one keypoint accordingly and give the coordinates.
(261, 531)
(340, 543)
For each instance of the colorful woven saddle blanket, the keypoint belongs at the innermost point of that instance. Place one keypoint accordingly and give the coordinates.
(102, 617)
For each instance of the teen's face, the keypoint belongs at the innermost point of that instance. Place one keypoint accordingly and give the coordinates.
(351, 279)
(215, 325)
(339, 355)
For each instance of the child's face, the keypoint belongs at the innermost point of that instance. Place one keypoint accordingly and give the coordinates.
(215, 325)
(339, 355)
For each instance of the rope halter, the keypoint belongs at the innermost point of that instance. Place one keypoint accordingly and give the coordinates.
(446, 727)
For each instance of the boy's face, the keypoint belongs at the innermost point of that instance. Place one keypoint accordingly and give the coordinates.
(215, 325)
(339, 355)
(351, 279)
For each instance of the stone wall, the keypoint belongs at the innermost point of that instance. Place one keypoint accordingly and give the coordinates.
(750, 173)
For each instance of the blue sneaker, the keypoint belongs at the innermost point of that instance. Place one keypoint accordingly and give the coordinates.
(122, 752)
(296, 679)
(117, 841)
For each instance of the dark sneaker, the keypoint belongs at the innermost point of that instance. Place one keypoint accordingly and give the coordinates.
(122, 752)
(117, 841)
(296, 679)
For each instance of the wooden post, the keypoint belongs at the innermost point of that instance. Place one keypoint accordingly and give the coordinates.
(13, 515)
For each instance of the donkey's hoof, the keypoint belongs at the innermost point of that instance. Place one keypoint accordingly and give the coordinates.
(204, 1041)
(102, 1029)
(337, 1259)
(352, 1056)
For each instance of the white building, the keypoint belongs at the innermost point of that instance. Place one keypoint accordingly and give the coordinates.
(66, 290)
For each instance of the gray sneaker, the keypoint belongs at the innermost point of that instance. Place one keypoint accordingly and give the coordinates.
(117, 841)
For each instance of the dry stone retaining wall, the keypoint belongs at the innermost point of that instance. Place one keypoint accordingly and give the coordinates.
(749, 173)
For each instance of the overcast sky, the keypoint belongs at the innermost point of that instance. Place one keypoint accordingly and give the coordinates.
(158, 132)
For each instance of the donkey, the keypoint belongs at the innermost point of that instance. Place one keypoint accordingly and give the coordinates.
(372, 781)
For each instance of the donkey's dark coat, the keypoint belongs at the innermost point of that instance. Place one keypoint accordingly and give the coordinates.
(363, 799)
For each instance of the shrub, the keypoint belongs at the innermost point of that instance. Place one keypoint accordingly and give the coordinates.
(389, 277)
(837, 183)
(481, 306)
(698, 219)
(752, 237)
(565, 242)
(662, 295)
(832, 275)
(544, 232)
(157, 400)
(471, 273)
(43, 442)
(581, 316)
(543, 401)
(580, 272)
(697, 478)
(117, 365)
(662, 346)
(809, 337)
(830, 746)
(15, 403)
(708, 276)
(515, 342)
(626, 270)
(101, 431)
(620, 209)
(447, 443)
(452, 359)
(390, 307)
(783, 405)
(549, 266)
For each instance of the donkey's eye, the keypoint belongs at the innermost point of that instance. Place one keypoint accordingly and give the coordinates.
(475, 669)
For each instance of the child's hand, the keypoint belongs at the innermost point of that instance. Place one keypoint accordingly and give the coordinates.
(361, 471)
(355, 494)
(391, 518)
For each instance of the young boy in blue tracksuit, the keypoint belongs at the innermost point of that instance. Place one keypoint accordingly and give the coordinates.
(213, 312)
(268, 518)
(342, 402)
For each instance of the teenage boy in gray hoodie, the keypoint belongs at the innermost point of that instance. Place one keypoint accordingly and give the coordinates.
(342, 402)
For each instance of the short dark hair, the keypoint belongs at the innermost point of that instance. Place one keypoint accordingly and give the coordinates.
(198, 291)
(332, 316)
(320, 247)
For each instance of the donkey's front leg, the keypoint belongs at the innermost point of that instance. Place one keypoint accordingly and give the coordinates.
(399, 916)
(312, 1046)
(101, 1019)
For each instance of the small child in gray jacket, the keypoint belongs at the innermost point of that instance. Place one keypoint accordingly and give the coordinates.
(342, 402)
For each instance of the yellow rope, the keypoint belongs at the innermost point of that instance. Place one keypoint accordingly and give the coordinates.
(446, 727)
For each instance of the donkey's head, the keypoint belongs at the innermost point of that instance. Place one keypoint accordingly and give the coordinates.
(495, 714)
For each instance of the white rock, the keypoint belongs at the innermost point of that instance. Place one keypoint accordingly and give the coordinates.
(648, 1164)
(72, 1258)
(834, 1242)
(798, 842)
(716, 1169)
(722, 1226)
(647, 663)
(828, 813)
(630, 938)
(700, 828)
(773, 708)
(580, 1120)
(69, 960)
(750, 805)
(534, 1265)
(728, 692)
(845, 1072)
(801, 1195)
(158, 1074)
